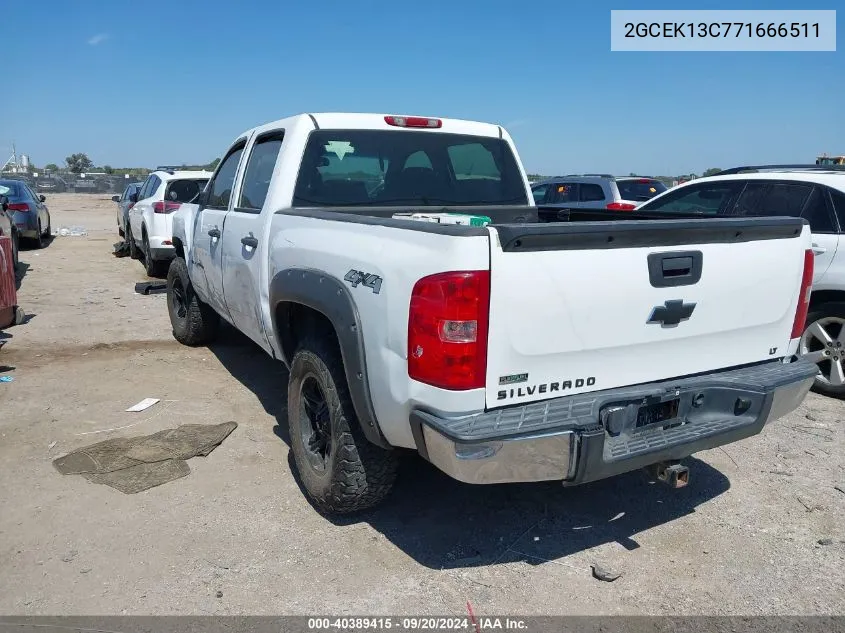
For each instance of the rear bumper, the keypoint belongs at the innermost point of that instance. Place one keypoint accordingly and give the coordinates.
(583, 438)
(163, 253)
(27, 223)
(160, 249)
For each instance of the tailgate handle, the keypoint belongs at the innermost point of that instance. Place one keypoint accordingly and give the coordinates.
(680, 268)
(676, 266)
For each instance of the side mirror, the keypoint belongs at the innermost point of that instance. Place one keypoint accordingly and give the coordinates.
(115, 198)
(42, 197)
(133, 198)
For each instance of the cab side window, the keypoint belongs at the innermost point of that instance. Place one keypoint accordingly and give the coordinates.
(220, 188)
(259, 171)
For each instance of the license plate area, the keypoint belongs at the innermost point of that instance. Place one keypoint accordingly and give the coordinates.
(660, 413)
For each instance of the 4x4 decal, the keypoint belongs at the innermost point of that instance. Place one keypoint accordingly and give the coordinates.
(356, 277)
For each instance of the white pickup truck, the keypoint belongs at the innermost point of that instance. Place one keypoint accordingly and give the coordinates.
(513, 351)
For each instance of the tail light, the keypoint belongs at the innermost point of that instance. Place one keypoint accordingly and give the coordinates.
(621, 206)
(447, 330)
(413, 121)
(166, 207)
(804, 298)
(18, 206)
(131, 204)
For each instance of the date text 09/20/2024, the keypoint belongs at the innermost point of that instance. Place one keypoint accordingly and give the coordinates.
(416, 623)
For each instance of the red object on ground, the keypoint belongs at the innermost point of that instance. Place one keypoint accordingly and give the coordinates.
(8, 290)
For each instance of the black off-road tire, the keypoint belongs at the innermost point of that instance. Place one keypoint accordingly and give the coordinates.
(193, 322)
(356, 474)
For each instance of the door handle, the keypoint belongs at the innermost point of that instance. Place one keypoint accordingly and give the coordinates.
(250, 241)
(214, 233)
(819, 250)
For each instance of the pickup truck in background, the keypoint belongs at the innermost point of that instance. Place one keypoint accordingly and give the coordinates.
(515, 351)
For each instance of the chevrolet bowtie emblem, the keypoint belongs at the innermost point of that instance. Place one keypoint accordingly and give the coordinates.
(671, 313)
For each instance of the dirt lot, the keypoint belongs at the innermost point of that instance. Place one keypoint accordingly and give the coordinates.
(742, 538)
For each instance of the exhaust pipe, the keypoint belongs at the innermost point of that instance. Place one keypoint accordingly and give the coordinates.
(671, 473)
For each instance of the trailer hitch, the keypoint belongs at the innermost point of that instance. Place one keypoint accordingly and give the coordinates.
(672, 473)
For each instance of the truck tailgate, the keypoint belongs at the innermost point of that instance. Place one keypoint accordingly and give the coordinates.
(596, 305)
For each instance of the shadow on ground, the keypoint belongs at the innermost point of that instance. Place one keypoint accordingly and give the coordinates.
(444, 524)
(20, 273)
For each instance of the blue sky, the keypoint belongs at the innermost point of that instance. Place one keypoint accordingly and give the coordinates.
(149, 83)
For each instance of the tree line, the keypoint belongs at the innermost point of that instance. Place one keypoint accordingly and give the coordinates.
(80, 163)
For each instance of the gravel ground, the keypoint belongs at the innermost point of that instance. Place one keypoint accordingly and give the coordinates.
(759, 530)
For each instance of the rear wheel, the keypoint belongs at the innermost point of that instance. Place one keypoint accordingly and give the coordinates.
(134, 251)
(152, 267)
(340, 470)
(193, 322)
(39, 236)
(823, 343)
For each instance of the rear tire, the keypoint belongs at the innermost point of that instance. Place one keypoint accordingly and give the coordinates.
(152, 267)
(39, 236)
(823, 342)
(193, 322)
(134, 251)
(340, 470)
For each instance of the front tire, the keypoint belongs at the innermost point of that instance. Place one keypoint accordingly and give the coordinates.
(340, 470)
(193, 322)
(823, 342)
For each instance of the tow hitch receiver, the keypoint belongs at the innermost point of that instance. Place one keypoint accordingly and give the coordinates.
(673, 473)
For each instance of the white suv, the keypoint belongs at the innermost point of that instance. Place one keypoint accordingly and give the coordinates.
(815, 193)
(150, 218)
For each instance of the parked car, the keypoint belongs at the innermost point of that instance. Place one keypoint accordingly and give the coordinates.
(29, 213)
(814, 193)
(150, 217)
(596, 191)
(50, 184)
(87, 185)
(7, 224)
(124, 203)
(506, 352)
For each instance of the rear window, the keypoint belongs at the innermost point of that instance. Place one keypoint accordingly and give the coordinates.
(390, 168)
(14, 189)
(184, 190)
(639, 190)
